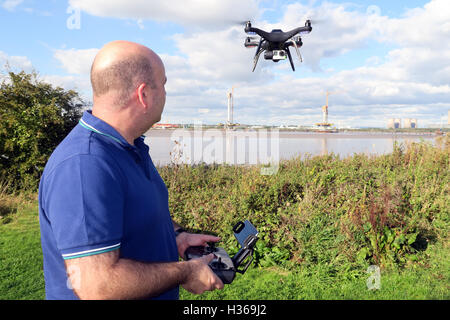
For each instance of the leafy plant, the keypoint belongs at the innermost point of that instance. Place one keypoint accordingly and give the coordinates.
(341, 213)
(34, 118)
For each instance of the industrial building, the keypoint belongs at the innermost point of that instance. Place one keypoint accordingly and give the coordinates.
(410, 123)
(394, 124)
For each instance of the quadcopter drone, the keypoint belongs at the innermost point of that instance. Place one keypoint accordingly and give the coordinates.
(275, 44)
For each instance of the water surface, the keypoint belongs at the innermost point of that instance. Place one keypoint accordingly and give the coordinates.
(265, 146)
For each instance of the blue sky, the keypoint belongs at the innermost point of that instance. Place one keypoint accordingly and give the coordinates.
(384, 59)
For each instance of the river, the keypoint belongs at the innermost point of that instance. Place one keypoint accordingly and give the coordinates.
(266, 146)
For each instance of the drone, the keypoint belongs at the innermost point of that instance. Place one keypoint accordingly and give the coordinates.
(275, 44)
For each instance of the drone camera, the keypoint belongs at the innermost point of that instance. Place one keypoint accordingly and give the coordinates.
(279, 55)
(268, 55)
(275, 55)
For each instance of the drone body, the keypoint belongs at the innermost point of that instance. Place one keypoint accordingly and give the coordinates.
(275, 44)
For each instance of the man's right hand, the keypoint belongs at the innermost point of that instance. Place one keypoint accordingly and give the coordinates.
(201, 277)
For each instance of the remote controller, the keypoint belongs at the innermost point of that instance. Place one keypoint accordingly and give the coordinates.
(222, 265)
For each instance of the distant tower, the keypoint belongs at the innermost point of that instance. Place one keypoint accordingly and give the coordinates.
(325, 124)
(325, 114)
(230, 106)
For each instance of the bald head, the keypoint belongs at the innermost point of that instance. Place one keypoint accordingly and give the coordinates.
(120, 67)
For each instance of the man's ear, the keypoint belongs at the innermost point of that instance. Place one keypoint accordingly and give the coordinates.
(141, 94)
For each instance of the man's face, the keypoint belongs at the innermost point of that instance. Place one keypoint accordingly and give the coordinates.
(159, 93)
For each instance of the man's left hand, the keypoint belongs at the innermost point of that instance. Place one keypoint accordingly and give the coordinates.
(185, 240)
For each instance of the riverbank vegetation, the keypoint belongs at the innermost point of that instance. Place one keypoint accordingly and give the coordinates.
(348, 213)
(329, 216)
(322, 220)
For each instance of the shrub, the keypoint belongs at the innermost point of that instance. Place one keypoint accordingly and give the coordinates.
(34, 118)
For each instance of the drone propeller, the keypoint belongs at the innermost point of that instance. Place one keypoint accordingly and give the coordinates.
(243, 23)
(315, 21)
(239, 22)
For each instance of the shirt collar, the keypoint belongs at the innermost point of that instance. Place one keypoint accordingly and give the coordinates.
(92, 123)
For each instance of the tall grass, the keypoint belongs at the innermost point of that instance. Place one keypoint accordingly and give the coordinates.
(12, 201)
(342, 214)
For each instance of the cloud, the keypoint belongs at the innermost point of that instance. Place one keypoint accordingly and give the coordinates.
(11, 5)
(193, 13)
(337, 29)
(420, 27)
(80, 84)
(219, 56)
(15, 62)
(76, 61)
(412, 79)
(203, 110)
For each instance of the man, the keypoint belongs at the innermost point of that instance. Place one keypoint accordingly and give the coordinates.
(106, 230)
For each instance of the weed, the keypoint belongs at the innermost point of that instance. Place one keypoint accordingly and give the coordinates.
(348, 213)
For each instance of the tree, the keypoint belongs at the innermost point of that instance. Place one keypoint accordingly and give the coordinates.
(34, 118)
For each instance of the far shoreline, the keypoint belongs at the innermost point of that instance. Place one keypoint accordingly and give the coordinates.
(302, 134)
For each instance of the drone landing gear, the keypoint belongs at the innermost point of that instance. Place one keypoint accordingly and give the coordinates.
(290, 58)
(255, 60)
(294, 43)
(259, 50)
(298, 51)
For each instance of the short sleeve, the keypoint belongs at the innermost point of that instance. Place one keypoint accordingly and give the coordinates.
(84, 203)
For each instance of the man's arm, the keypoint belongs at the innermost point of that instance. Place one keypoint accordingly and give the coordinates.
(106, 276)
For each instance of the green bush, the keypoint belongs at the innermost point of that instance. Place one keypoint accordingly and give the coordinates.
(34, 118)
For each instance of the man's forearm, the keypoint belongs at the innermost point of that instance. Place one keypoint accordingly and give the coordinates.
(105, 276)
(135, 280)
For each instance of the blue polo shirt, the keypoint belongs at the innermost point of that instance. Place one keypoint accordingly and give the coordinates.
(99, 193)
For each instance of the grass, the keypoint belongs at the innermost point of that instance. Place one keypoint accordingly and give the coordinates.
(415, 283)
(322, 222)
(21, 271)
(21, 274)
